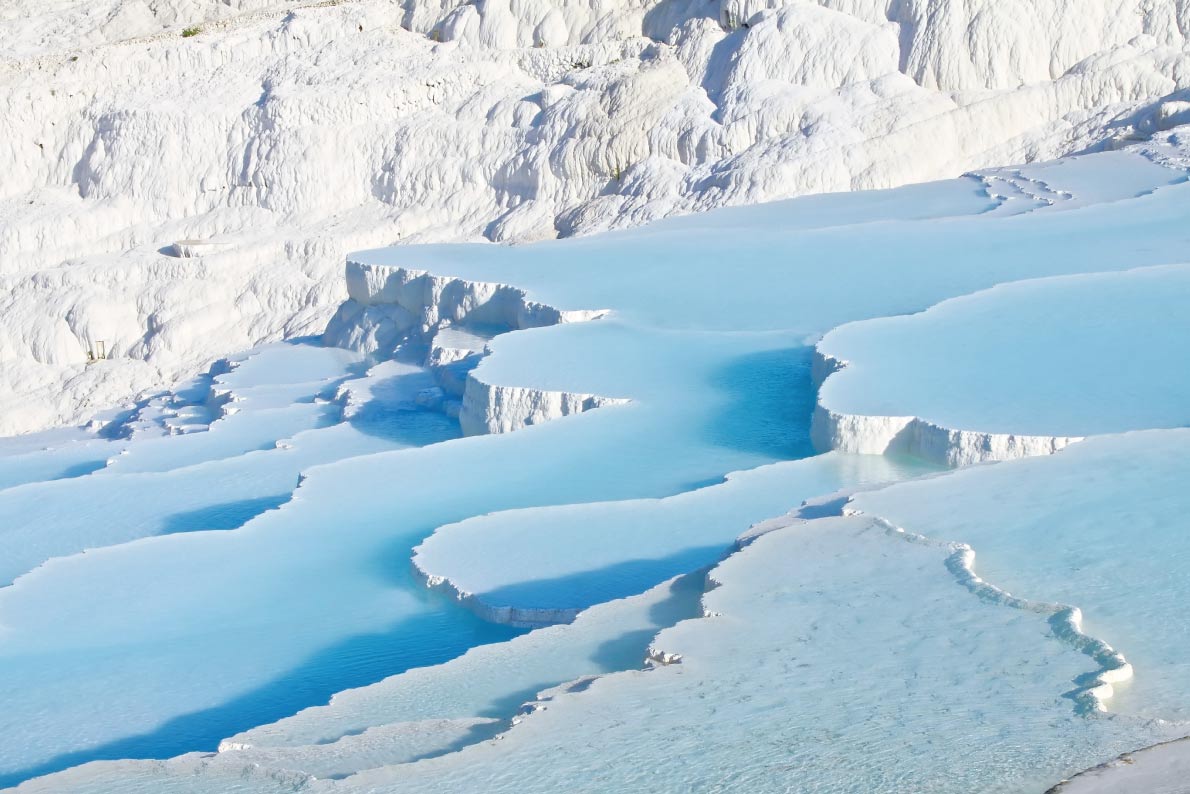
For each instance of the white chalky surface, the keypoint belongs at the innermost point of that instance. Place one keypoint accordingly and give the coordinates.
(284, 134)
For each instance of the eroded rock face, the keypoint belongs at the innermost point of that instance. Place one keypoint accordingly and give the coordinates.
(284, 134)
(394, 307)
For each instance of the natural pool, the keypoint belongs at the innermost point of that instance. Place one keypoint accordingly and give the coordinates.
(204, 583)
(196, 590)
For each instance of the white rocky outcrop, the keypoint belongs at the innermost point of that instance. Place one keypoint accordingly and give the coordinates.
(295, 131)
(388, 306)
(489, 408)
(391, 307)
(41, 27)
(189, 249)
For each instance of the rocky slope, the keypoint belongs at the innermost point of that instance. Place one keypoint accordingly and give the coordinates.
(282, 134)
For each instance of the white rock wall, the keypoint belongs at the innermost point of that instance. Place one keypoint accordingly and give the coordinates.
(502, 409)
(392, 306)
(285, 134)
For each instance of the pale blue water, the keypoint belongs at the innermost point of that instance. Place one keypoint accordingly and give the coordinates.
(193, 632)
(193, 589)
(121, 693)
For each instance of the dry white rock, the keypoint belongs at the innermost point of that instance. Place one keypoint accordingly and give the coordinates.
(285, 134)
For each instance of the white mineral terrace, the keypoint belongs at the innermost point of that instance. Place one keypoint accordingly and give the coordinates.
(552, 396)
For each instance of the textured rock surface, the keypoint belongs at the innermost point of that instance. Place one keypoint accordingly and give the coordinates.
(284, 134)
(502, 409)
(909, 435)
(392, 306)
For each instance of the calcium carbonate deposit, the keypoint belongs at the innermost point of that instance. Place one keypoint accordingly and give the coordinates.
(836, 445)
(263, 140)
